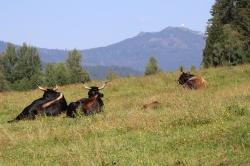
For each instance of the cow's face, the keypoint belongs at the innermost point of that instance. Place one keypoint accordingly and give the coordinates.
(50, 94)
(184, 77)
(94, 91)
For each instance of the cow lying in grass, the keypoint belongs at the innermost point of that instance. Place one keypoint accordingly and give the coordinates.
(52, 103)
(191, 81)
(90, 105)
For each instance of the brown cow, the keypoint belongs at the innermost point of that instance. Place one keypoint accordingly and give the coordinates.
(191, 81)
(196, 82)
(90, 105)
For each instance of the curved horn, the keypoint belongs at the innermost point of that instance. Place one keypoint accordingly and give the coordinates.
(41, 88)
(56, 88)
(100, 88)
(85, 86)
(53, 101)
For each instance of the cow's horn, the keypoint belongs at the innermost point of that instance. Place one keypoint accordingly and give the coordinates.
(41, 88)
(53, 101)
(100, 88)
(56, 88)
(85, 86)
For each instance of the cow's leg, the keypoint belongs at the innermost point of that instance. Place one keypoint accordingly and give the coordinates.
(71, 111)
(88, 112)
(98, 106)
(99, 109)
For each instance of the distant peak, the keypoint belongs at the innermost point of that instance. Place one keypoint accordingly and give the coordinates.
(142, 33)
(182, 28)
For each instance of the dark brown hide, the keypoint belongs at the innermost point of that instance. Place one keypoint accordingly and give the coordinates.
(153, 105)
(89, 104)
(92, 104)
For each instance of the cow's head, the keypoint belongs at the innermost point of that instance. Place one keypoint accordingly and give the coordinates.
(50, 93)
(184, 77)
(94, 90)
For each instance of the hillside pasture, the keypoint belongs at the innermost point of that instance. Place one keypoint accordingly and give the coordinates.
(191, 127)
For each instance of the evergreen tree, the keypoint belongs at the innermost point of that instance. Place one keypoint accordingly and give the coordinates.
(233, 48)
(9, 63)
(77, 74)
(1, 63)
(181, 68)
(50, 75)
(3, 82)
(56, 74)
(28, 68)
(152, 67)
(29, 63)
(228, 40)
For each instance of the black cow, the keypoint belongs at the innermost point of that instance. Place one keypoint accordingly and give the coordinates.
(90, 105)
(184, 77)
(52, 103)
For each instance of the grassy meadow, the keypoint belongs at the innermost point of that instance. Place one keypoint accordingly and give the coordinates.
(202, 127)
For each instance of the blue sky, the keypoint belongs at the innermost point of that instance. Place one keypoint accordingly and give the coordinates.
(82, 24)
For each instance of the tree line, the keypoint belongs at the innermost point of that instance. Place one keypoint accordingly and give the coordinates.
(228, 34)
(22, 69)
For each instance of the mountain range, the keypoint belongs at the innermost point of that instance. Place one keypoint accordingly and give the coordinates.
(172, 47)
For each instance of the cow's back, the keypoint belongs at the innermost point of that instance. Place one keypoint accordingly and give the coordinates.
(196, 82)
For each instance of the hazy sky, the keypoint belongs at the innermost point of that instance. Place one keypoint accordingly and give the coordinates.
(81, 24)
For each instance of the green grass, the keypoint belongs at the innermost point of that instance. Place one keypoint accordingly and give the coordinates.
(203, 127)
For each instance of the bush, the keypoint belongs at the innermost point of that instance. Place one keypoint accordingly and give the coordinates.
(152, 67)
(3, 83)
(56, 74)
(73, 63)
